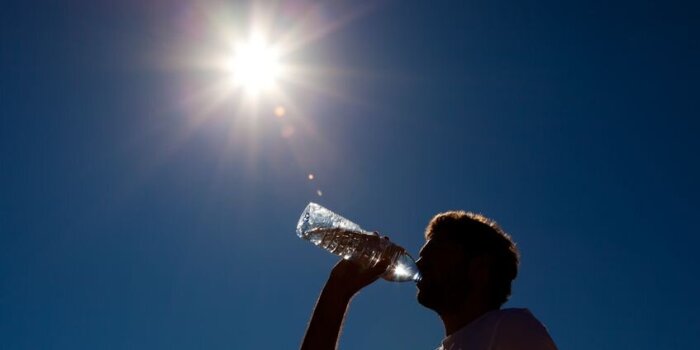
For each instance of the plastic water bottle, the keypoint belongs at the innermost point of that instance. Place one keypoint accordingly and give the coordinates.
(343, 237)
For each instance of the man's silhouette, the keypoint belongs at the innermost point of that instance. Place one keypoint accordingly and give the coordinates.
(467, 264)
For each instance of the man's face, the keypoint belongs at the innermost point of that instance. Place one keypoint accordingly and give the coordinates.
(443, 265)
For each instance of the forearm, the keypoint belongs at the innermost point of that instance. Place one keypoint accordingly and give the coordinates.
(327, 319)
(346, 279)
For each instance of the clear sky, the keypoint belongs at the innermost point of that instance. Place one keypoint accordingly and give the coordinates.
(143, 206)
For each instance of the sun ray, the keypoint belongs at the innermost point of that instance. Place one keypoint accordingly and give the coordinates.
(237, 65)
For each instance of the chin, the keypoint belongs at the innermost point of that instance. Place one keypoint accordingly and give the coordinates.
(424, 299)
(430, 299)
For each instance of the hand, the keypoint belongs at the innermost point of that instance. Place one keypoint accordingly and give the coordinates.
(349, 277)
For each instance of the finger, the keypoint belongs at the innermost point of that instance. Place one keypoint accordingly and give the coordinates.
(380, 266)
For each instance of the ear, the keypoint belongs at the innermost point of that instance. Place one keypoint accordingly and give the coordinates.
(480, 269)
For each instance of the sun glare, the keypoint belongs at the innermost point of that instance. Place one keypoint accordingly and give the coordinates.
(255, 66)
(243, 67)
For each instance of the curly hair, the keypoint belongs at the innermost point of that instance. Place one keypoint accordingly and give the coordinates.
(477, 235)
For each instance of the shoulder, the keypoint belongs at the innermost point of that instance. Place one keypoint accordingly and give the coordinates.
(520, 329)
(517, 316)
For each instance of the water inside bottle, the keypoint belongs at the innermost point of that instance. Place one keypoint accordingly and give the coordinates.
(343, 237)
(404, 269)
(366, 250)
(345, 243)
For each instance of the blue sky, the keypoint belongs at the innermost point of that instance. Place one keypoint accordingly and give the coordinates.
(135, 213)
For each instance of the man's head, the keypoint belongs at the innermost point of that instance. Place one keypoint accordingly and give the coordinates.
(465, 255)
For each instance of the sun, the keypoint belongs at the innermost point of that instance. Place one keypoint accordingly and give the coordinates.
(239, 66)
(255, 66)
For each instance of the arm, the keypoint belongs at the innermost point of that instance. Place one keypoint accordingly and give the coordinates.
(346, 279)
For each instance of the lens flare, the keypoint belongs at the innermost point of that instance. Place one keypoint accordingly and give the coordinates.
(255, 66)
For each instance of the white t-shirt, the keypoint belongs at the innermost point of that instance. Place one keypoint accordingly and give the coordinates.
(507, 329)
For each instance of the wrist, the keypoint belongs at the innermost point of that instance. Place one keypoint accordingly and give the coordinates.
(338, 290)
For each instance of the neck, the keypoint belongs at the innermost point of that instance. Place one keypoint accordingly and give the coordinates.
(455, 319)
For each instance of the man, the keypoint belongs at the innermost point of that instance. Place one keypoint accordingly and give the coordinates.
(467, 266)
